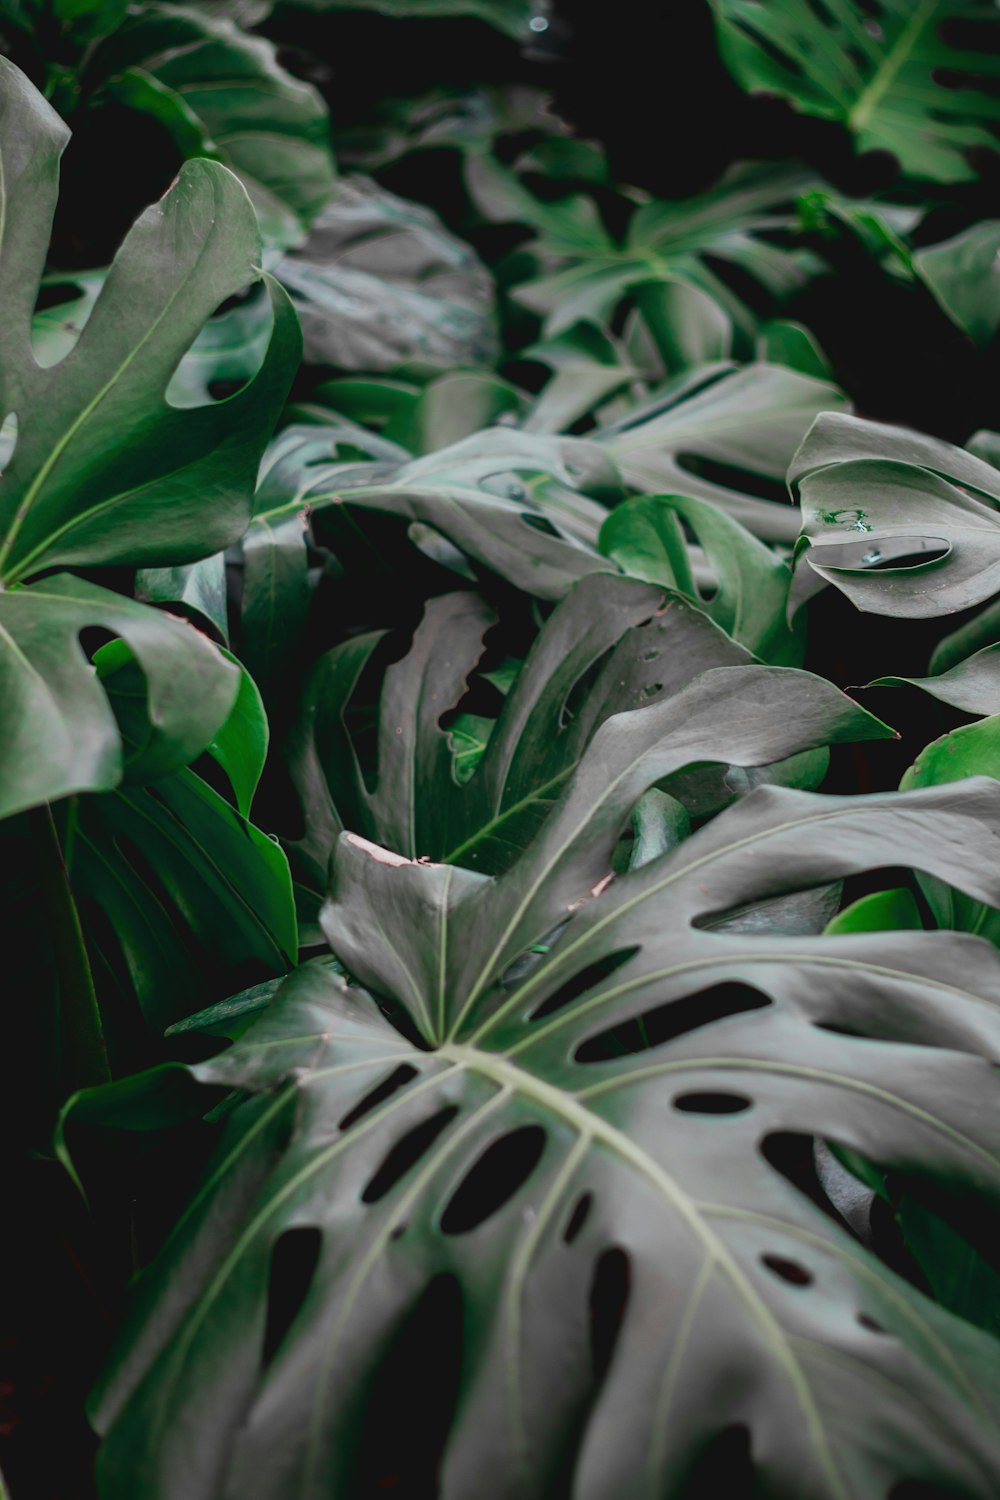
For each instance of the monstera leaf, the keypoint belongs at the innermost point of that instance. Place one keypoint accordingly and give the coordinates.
(910, 79)
(874, 496)
(474, 792)
(523, 505)
(725, 435)
(665, 263)
(567, 1190)
(223, 94)
(101, 469)
(380, 282)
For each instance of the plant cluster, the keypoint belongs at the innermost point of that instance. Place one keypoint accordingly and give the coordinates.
(492, 1015)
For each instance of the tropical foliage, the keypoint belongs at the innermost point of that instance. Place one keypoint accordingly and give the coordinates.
(498, 1009)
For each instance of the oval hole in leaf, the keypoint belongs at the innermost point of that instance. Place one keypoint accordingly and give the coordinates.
(539, 523)
(732, 478)
(585, 980)
(406, 1153)
(883, 554)
(787, 1270)
(293, 1265)
(712, 1104)
(492, 1181)
(397, 1079)
(866, 1322)
(579, 1217)
(723, 1467)
(665, 1022)
(401, 1455)
(609, 1294)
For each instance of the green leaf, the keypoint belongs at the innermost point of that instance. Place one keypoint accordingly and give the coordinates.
(897, 74)
(648, 1147)
(178, 485)
(972, 685)
(586, 367)
(687, 305)
(723, 435)
(973, 750)
(884, 911)
(60, 734)
(963, 275)
(750, 584)
(380, 281)
(189, 890)
(224, 94)
(524, 505)
(871, 494)
(613, 645)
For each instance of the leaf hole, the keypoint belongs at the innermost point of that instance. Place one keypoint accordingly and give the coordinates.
(712, 1104)
(397, 1079)
(579, 1217)
(665, 1022)
(403, 1456)
(729, 477)
(790, 1271)
(609, 1294)
(866, 1322)
(502, 1169)
(293, 1265)
(586, 979)
(404, 1155)
(723, 1467)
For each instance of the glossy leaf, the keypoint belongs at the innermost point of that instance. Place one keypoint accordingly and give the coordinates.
(180, 486)
(394, 1165)
(973, 750)
(872, 494)
(750, 584)
(60, 734)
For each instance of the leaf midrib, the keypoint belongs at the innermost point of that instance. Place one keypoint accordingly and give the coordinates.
(594, 1128)
(59, 448)
(886, 74)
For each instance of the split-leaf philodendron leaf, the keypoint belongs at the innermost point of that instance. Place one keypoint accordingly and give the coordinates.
(899, 74)
(579, 1165)
(101, 469)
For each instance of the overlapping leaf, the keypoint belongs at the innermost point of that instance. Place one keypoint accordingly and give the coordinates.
(913, 79)
(724, 435)
(550, 1158)
(224, 94)
(380, 282)
(101, 469)
(613, 644)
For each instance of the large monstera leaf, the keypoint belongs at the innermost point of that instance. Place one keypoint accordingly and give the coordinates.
(908, 78)
(223, 94)
(664, 263)
(569, 1196)
(474, 790)
(100, 469)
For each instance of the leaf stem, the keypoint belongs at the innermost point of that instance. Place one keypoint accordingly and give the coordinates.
(82, 1048)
